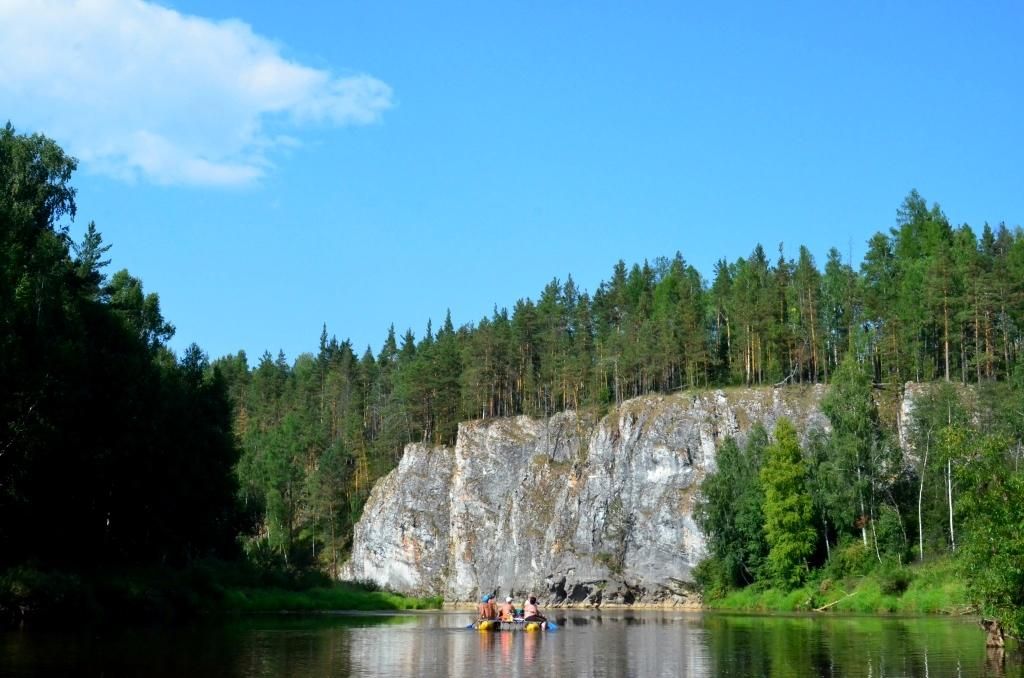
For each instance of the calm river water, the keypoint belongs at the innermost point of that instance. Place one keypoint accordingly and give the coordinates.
(607, 643)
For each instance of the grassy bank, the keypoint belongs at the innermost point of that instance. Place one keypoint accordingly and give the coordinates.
(54, 597)
(340, 596)
(931, 588)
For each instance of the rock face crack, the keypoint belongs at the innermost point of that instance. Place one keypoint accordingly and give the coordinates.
(574, 511)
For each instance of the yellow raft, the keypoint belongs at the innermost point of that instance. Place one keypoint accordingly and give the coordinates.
(519, 625)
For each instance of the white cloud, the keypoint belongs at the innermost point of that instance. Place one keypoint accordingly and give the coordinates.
(139, 91)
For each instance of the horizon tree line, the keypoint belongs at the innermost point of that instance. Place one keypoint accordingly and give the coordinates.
(929, 302)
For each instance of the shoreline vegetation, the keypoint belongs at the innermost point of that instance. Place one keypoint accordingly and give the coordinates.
(921, 589)
(340, 597)
(164, 595)
(55, 598)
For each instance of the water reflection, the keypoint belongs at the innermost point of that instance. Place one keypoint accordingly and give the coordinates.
(606, 643)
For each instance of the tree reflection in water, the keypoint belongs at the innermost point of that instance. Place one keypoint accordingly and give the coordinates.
(609, 643)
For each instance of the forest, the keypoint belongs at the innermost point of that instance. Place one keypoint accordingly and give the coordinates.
(97, 464)
(114, 449)
(930, 302)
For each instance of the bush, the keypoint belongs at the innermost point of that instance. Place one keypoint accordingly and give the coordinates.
(711, 579)
(28, 593)
(851, 559)
(894, 580)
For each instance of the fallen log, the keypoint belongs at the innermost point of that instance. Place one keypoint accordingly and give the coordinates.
(825, 607)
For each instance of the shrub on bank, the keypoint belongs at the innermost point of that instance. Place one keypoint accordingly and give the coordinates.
(931, 588)
(26, 592)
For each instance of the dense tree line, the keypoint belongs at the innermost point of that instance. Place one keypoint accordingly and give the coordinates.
(854, 499)
(112, 450)
(930, 301)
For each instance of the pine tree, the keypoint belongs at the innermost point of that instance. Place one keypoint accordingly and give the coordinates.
(788, 512)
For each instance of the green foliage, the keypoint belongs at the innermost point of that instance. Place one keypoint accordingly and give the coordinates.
(925, 303)
(730, 512)
(61, 598)
(712, 579)
(787, 508)
(940, 428)
(767, 600)
(857, 468)
(111, 449)
(850, 559)
(933, 588)
(889, 535)
(28, 592)
(991, 554)
(336, 597)
(894, 580)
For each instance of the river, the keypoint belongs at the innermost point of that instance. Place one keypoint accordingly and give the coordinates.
(590, 643)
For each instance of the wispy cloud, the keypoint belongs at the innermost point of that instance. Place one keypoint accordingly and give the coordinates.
(139, 91)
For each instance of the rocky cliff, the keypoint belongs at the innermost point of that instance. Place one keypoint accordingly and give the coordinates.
(575, 510)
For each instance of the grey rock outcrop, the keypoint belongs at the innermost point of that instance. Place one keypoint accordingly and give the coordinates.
(574, 510)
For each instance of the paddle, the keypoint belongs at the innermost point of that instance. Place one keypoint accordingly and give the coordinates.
(552, 626)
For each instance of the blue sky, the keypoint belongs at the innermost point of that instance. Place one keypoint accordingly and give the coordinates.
(268, 167)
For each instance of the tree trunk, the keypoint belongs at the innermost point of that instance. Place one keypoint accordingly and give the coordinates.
(945, 332)
(920, 495)
(828, 549)
(1006, 339)
(814, 348)
(949, 494)
(863, 525)
(728, 346)
(874, 537)
(747, 356)
(977, 339)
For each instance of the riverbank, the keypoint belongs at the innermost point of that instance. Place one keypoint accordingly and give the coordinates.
(930, 588)
(50, 597)
(339, 596)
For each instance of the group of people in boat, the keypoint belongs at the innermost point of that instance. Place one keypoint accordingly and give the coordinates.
(507, 612)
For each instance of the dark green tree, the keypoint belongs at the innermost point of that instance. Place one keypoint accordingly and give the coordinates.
(788, 509)
(730, 512)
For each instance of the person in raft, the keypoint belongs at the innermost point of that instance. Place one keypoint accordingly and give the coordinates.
(506, 612)
(531, 612)
(485, 609)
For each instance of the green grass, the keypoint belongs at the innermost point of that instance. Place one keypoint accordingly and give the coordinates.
(765, 600)
(934, 588)
(341, 596)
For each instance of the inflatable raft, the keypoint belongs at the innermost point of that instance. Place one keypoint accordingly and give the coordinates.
(514, 625)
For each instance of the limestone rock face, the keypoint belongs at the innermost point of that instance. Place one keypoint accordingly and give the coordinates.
(573, 510)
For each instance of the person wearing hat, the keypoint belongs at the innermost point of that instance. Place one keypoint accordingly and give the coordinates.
(486, 608)
(506, 611)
